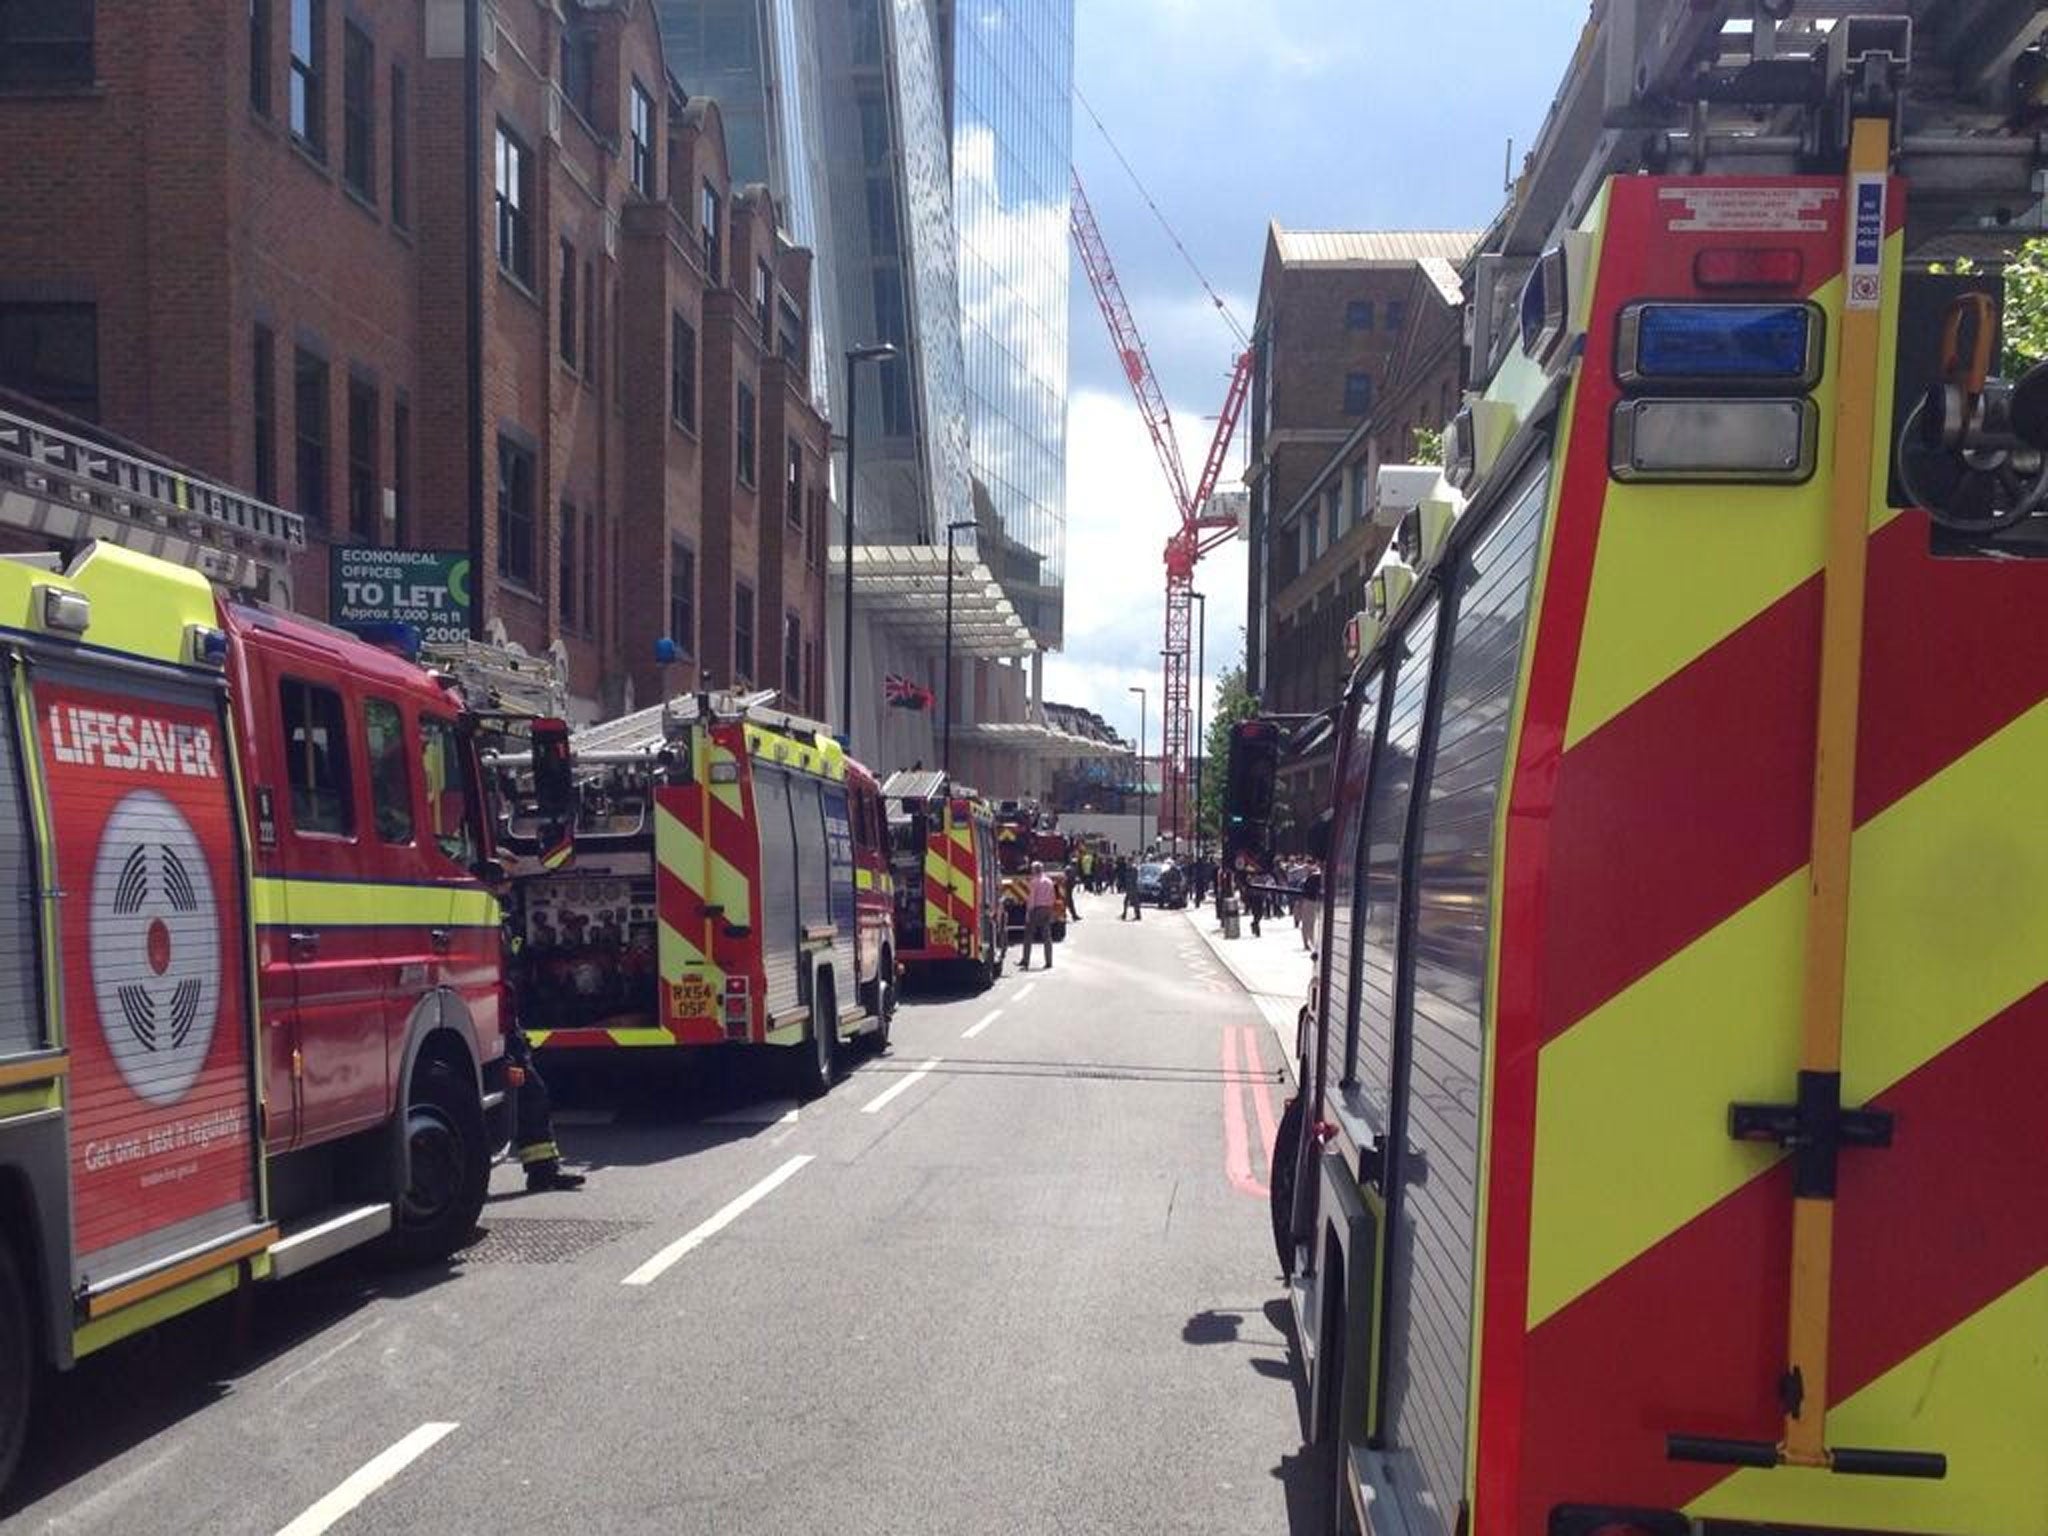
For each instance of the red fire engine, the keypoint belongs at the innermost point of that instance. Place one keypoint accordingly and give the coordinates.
(251, 1015)
(729, 886)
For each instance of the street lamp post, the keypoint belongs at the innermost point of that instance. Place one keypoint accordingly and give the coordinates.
(873, 352)
(946, 744)
(1201, 689)
(1141, 769)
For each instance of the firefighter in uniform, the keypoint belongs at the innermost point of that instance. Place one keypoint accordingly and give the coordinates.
(533, 1120)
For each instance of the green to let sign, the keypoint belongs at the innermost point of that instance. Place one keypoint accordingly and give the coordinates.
(426, 588)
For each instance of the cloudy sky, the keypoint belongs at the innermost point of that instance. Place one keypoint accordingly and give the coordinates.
(1332, 114)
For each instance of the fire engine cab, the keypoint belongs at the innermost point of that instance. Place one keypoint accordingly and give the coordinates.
(250, 1012)
(1668, 1156)
(728, 886)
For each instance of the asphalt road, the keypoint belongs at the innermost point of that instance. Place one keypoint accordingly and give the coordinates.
(1013, 1276)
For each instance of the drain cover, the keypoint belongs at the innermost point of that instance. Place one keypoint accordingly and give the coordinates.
(533, 1240)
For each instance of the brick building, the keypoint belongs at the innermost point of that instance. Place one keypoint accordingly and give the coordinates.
(236, 232)
(1358, 347)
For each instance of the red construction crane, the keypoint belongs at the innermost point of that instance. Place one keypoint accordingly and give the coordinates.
(1200, 530)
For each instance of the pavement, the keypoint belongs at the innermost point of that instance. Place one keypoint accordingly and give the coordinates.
(1274, 969)
(1014, 1276)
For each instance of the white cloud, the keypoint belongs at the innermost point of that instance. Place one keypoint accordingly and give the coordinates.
(1119, 516)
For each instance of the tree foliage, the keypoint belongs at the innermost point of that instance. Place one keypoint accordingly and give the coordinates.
(1234, 702)
(1428, 447)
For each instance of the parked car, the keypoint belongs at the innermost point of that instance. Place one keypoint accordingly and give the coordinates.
(1163, 885)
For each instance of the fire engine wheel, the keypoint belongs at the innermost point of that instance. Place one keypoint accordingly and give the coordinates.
(449, 1171)
(821, 1064)
(885, 987)
(17, 1363)
(1286, 1158)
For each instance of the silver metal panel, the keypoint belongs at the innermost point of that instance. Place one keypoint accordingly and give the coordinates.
(781, 922)
(1369, 1060)
(837, 835)
(1432, 1275)
(21, 1029)
(1344, 886)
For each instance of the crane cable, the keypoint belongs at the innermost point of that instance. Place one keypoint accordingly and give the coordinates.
(1208, 287)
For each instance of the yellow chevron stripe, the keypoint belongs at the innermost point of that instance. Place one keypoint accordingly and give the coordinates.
(366, 904)
(1980, 1386)
(681, 851)
(1947, 928)
(1680, 568)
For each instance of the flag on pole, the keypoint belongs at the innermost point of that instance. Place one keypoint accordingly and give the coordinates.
(902, 693)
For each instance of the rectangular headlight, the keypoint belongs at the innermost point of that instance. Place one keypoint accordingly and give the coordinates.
(1760, 440)
(1736, 346)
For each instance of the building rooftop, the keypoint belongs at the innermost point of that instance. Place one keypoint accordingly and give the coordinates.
(1370, 247)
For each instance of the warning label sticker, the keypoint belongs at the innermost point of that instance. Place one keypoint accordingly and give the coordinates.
(1774, 210)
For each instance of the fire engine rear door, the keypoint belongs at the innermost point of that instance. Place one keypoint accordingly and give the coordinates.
(152, 926)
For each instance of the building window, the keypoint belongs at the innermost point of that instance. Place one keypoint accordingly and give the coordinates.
(390, 781)
(401, 126)
(682, 372)
(789, 339)
(579, 69)
(589, 320)
(708, 225)
(265, 390)
(742, 633)
(682, 598)
(1397, 313)
(515, 512)
(1333, 517)
(1361, 498)
(51, 351)
(358, 111)
(515, 206)
(565, 304)
(793, 487)
(792, 660)
(643, 141)
(362, 460)
(764, 290)
(259, 56)
(744, 435)
(310, 429)
(811, 669)
(401, 470)
(1358, 315)
(45, 42)
(309, 74)
(1357, 393)
(567, 580)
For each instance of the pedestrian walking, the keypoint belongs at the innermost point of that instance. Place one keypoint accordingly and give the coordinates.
(1038, 915)
(1073, 889)
(1133, 908)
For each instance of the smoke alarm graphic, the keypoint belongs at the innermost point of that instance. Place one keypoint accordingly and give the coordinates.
(155, 947)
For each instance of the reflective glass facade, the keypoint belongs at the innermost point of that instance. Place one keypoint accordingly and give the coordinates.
(920, 152)
(1013, 70)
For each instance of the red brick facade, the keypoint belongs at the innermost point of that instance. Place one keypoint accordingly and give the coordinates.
(212, 195)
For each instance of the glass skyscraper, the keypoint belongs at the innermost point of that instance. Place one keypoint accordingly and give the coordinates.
(919, 148)
(1012, 101)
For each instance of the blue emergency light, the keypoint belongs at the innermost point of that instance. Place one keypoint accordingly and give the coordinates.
(393, 635)
(1738, 346)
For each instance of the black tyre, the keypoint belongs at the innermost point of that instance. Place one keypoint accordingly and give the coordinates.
(448, 1166)
(18, 1364)
(1286, 1158)
(820, 1064)
(885, 990)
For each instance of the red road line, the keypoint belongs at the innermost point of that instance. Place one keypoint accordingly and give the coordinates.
(1262, 1094)
(1237, 1158)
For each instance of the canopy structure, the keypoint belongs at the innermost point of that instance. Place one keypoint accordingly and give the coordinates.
(1036, 739)
(902, 588)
